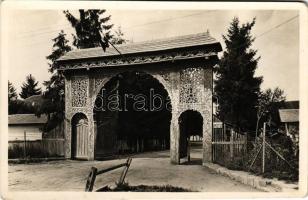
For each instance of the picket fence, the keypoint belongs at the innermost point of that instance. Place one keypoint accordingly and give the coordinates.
(227, 145)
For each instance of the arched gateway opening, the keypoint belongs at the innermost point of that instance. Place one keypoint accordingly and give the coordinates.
(191, 132)
(132, 114)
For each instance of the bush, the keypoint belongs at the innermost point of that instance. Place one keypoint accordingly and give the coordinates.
(275, 167)
(237, 163)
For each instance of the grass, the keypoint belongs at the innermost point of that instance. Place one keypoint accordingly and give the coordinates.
(143, 188)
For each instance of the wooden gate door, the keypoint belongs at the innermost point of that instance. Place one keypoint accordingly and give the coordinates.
(80, 137)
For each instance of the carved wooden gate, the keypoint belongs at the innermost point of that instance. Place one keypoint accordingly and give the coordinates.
(182, 64)
(80, 137)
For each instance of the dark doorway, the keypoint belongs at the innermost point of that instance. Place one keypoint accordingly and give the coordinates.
(128, 119)
(191, 132)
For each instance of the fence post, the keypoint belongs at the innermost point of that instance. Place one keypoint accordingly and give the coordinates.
(188, 149)
(25, 145)
(232, 144)
(263, 148)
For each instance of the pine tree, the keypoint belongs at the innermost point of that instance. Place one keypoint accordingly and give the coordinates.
(12, 95)
(54, 95)
(118, 38)
(89, 28)
(60, 47)
(13, 105)
(236, 86)
(29, 88)
(55, 86)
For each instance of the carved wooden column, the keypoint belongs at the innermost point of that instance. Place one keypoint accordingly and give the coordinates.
(207, 115)
(174, 124)
(67, 119)
(77, 101)
(196, 94)
(174, 140)
(91, 138)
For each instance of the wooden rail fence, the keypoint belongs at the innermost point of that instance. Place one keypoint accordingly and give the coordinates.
(94, 172)
(36, 148)
(228, 145)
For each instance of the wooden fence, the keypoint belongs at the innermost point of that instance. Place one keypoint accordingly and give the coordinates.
(57, 132)
(51, 145)
(37, 148)
(228, 145)
(94, 172)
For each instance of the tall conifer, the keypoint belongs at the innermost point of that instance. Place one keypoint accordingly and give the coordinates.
(236, 86)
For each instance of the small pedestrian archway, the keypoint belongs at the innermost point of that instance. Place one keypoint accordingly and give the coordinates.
(80, 136)
(191, 127)
(182, 64)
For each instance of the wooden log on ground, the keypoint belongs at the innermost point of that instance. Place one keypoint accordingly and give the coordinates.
(124, 172)
(91, 179)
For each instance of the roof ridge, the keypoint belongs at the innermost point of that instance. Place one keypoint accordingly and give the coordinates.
(22, 114)
(193, 35)
(200, 40)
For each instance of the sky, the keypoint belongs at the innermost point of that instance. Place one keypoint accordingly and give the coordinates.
(276, 32)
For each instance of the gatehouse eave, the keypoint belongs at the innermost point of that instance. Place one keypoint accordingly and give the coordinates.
(193, 46)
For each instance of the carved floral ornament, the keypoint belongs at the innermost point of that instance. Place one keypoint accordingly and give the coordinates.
(133, 60)
(99, 82)
(79, 91)
(191, 80)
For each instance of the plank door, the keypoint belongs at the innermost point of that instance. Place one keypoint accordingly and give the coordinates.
(80, 137)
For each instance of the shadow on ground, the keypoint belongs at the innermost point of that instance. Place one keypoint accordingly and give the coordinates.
(193, 161)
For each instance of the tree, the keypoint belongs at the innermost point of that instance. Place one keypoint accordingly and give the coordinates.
(89, 28)
(29, 88)
(267, 103)
(13, 104)
(60, 47)
(118, 38)
(54, 95)
(12, 95)
(236, 86)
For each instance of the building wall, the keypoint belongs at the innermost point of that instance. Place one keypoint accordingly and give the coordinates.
(16, 132)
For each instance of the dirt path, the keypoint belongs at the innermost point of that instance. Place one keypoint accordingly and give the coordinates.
(148, 168)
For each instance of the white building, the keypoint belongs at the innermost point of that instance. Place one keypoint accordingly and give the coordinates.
(29, 123)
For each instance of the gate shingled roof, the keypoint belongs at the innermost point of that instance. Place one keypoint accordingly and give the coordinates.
(193, 40)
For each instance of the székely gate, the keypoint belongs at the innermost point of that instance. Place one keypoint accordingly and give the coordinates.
(182, 65)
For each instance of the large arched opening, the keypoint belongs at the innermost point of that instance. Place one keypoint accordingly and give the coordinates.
(191, 132)
(132, 114)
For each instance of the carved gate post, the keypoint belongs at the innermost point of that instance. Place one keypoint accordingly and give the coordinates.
(207, 115)
(174, 140)
(174, 125)
(67, 119)
(77, 100)
(195, 93)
